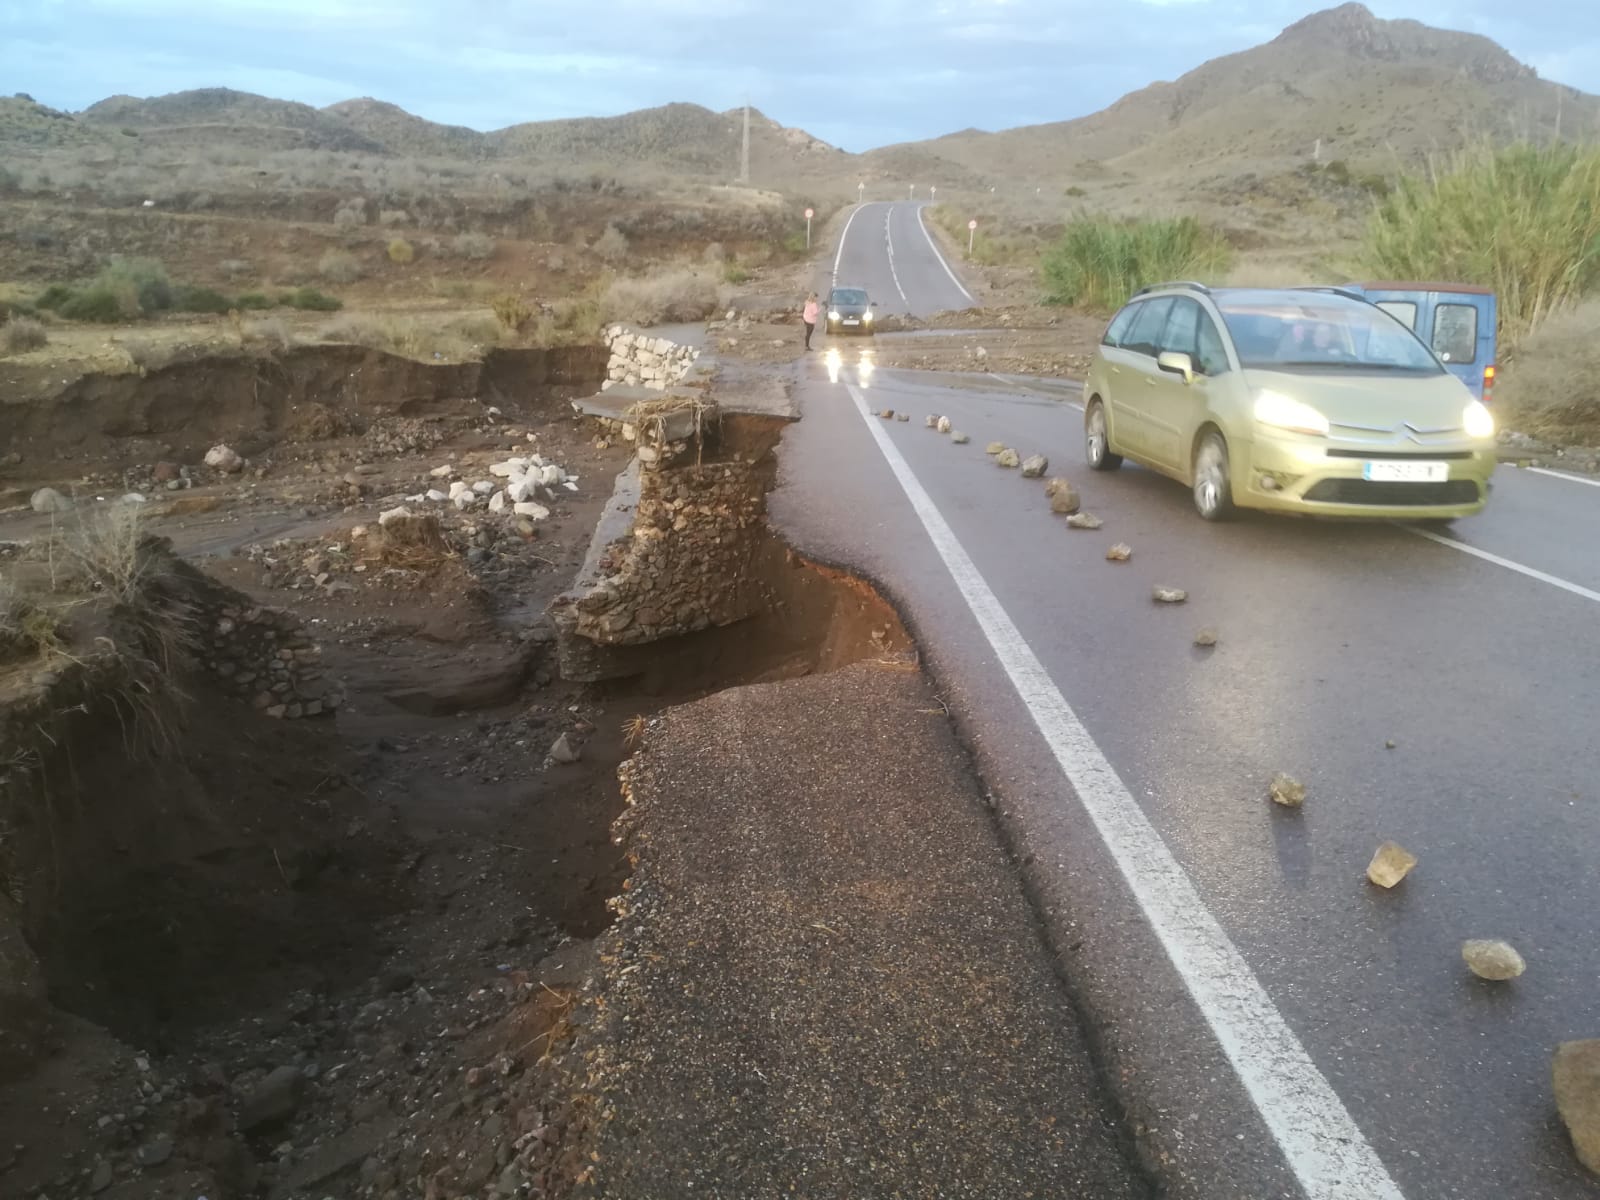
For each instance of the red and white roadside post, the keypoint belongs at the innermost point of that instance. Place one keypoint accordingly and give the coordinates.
(972, 232)
(809, 214)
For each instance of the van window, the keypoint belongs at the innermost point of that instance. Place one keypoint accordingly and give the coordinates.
(1403, 311)
(1455, 332)
(1145, 334)
(1119, 326)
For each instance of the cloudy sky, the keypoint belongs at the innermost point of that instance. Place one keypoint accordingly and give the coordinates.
(890, 70)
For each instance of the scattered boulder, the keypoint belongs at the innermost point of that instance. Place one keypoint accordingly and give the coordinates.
(1121, 552)
(1490, 959)
(103, 1176)
(931, 421)
(390, 516)
(272, 1101)
(48, 500)
(944, 425)
(1206, 637)
(1577, 1081)
(1063, 496)
(1034, 466)
(1389, 744)
(153, 1154)
(1168, 595)
(1390, 864)
(564, 751)
(1083, 520)
(886, 413)
(497, 502)
(994, 447)
(1008, 458)
(485, 487)
(1287, 791)
(166, 472)
(223, 458)
(900, 416)
(527, 508)
(443, 472)
(959, 438)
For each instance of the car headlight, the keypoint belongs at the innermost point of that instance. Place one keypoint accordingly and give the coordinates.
(1477, 420)
(833, 316)
(1274, 408)
(866, 316)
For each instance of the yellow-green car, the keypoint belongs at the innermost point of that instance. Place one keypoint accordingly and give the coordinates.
(1302, 400)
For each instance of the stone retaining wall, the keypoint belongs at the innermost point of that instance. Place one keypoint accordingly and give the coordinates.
(639, 360)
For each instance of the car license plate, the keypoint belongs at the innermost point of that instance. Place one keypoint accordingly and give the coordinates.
(1406, 472)
(852, 320)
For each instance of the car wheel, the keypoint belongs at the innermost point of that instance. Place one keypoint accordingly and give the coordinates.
(1213, 485)
(1096, 441)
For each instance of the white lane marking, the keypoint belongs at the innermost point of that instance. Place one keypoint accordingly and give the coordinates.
(888, 237)
(934, 247)
(1577, 589)
(1319, 1139)
(1053, 395)
(839, 254)
(1562, 475)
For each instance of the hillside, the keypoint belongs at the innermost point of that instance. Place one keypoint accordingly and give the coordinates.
(1370, 90)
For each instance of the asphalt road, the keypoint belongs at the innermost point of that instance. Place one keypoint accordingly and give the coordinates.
(1274, 1025)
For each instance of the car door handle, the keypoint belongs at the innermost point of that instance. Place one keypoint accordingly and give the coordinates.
(1148, 382)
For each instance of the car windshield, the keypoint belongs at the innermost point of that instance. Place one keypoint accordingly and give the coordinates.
(848, 296)
(1297, 333)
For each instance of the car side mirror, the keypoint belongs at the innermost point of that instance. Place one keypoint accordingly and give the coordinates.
(874, 304)
(1177, 364)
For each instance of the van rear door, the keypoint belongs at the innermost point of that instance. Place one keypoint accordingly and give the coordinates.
(1459, 326)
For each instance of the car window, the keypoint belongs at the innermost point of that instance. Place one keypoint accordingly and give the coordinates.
(1212, 356)
(1145, 334)
(1119, 326)
(1401, 310)
(1183, 326)
(847, 296)
(1455, 332)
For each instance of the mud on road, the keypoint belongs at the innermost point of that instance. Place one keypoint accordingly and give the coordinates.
(243, 955)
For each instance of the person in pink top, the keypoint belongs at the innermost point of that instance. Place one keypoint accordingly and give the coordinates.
(809, 316)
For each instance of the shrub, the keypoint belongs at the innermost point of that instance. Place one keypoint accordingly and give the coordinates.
(680, 295)
(234, 267)
(144, 278)
(714, 255)
(1076, 192)
(401, 251)
(21, 334)
(391, 217)
(511, 312)
(190, 299)
(1100, 261)
(310, 300)
(1552, 388)
(350, 216)
(272, 332)
(734, 273)
(102, 304)
(10, 181)
(612, 245)
(477, 246)
(1521, 219)
(339, 266)
(255, 300)
(53, 297)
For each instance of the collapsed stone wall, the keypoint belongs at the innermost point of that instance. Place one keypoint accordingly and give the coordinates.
(638, 360)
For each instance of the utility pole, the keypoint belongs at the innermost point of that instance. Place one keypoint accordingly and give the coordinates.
(744, 157)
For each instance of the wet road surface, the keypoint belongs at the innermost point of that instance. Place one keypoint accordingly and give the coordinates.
(1274, 1024)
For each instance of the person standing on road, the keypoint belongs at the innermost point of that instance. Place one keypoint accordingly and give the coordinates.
(809, 316)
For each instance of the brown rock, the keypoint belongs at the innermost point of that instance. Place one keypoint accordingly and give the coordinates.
(1206, 637)
(1121, 552)
(1083, 520)
(1577, 1083)
(166, 472)
(1287, 791)
(1390, 864)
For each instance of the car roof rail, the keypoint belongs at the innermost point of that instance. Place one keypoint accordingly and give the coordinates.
(1324, 287)
(1186, 284)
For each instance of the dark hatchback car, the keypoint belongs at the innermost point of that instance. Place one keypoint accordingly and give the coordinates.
(850, 310)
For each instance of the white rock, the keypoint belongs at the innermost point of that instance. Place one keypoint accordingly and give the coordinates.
(459, 486)
(497, 502)
(524, 489)
(443, 472)
(502, 470)
(570, 485)
(1492, 959)
(222, 458)
(48, 500)
(629, 432)
(563, 751)
(607, 385)
(417, 499)
(551, 475)
(358, 532)
(465, 500)
(485, 487)
(132, 498)
(943, 425)
(390, 516)
(527, 508)
(436, 495)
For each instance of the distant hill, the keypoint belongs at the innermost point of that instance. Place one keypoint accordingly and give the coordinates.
(1369, 90)
(222, 114)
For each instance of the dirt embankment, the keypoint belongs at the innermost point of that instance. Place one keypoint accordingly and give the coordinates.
(251, 957)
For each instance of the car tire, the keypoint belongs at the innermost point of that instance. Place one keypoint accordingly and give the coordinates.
(1097, 439)
(1213, 482)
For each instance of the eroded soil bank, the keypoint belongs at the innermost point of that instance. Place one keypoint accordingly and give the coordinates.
(247, 956)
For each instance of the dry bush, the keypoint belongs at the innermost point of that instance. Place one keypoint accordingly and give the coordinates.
(478, 331)
(1552, 388)
(512, 312)
(673, 296)
(22, 334)
(414, 543)
(612, 245)
(105, 549)
(476, 246)
(401, 251)
(714, 255)
(271, 332)
(234, 268)
(339, 266)
(406, 337)
(391, 217)
(26, 627)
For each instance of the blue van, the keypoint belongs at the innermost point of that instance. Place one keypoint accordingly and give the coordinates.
(1458, 320)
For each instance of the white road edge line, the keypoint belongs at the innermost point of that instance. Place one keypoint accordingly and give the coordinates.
(888, 238)
(932, 245)
(1320, 1141)
(1577, 589)
(838, 255)
(1562, 475)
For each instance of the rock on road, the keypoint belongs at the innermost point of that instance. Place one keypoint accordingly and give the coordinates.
(1474, 651)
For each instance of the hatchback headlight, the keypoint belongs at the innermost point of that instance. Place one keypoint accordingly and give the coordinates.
(1477, 420)
(1274, 408)
(866, 316)
(834, 315)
